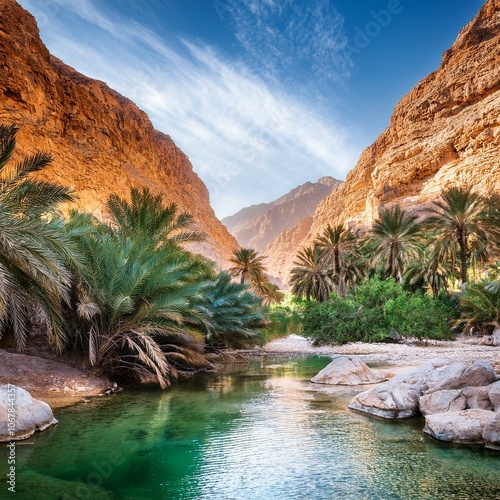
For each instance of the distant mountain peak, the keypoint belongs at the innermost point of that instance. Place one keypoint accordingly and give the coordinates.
(257, 225)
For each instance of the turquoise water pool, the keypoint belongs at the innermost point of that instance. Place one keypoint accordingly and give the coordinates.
(263, 433)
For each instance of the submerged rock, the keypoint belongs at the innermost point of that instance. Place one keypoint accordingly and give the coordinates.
(344, 370)
(21, 415)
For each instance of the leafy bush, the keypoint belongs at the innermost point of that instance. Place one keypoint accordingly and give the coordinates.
(334, 322)
(418, 316)
(380, 311)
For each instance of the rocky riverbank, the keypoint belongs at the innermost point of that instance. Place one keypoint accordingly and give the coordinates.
(466, 349)
(56, 383)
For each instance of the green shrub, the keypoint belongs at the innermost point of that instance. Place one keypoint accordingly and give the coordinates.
(380, 311)
(334, 322)
(282, 321)
(420, 316)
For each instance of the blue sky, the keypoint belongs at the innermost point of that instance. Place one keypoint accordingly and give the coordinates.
(262, 95)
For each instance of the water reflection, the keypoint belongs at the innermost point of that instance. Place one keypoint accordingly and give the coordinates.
(266, 433)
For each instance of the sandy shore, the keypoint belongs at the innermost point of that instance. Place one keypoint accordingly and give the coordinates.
(402, 354)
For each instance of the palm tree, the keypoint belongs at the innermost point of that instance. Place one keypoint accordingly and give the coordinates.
(147, 217)
(248, 266)
(270, 293)
(468, 223)
(430, 267)
(310, 278)
(480, 307)
(34, 250)
(235, 314)
(339, 247)
(136, 307)
(393, 241)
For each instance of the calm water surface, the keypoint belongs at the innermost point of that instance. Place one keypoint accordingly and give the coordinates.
(266, 433)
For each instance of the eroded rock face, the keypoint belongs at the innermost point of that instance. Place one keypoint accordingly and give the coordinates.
(102, 143)
(349, 371)
(445, 131)
(258, 225)
(31, 415)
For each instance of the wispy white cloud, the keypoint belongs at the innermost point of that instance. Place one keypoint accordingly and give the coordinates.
(286, 34)
(250, 141)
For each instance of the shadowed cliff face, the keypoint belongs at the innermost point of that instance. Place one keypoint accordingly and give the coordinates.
(102, 143)
(445, 132)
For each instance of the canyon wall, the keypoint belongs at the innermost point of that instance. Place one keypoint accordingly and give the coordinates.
(445, 132)
(101, 142)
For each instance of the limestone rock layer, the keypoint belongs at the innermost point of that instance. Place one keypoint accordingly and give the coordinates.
(102, 143)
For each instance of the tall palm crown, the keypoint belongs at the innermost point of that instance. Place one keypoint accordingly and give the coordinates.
(467, 224)
(248, 266)
(136, 300)
(146, 216)
(394, 239)
(338, 246)
(33, 248)
(310, 278)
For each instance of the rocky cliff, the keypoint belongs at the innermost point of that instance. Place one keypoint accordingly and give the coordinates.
(445, 132)
(258, 225)
(102, 143)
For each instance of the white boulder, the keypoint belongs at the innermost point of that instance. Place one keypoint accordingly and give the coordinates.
(21, 415)
(344, 370)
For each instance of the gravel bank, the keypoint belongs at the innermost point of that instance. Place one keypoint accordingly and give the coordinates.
(402, 354)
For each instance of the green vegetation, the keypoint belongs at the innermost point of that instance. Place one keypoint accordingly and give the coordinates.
(284, 319)
(34, 250)
(393, 242)
(466, 226)
(481, 307)
(379, 311)
(398, 280)
(248, 267)
(135, 304)
(124, 294)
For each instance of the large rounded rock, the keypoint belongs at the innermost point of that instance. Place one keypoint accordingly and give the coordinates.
(21, 415)
(491, 433)
(349, 371)
(455, 400)
(399, 397)
(466, 426)
(494, 395)
(458, 375)
(442, 401)
(388, 401)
